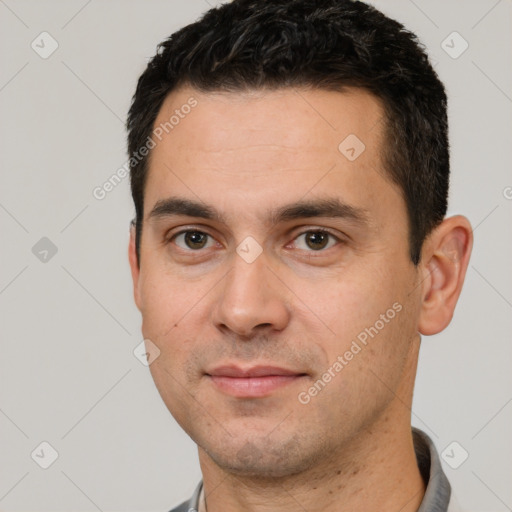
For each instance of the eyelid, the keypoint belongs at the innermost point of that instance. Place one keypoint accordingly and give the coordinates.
(315, 229)
(185, 229)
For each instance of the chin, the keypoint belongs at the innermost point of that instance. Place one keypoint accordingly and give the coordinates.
(263, 459)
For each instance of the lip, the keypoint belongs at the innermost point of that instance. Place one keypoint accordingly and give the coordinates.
(252, 382)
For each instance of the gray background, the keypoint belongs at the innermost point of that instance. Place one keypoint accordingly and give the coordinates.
(68, 375)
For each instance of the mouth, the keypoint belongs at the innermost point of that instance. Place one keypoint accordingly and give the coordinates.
(252, 382)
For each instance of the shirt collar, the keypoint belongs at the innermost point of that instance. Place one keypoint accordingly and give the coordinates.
(438, 491)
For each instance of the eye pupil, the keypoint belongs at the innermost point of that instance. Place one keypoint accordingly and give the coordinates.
(195, 239)
(317, 240)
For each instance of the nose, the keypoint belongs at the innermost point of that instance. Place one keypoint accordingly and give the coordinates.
(251, 299)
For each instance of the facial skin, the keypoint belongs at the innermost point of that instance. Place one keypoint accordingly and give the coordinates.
(248, 156)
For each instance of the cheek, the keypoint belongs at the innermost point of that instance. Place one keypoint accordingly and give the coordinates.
(354, 302)
(173, 317)
(368, 309)
(161, 324)
(368, 365)
(165, 300)
(171, 387)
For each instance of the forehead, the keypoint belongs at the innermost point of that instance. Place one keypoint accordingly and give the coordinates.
(226, 119)
(264, 146)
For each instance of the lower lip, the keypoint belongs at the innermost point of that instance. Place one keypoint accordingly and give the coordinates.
(252, 387)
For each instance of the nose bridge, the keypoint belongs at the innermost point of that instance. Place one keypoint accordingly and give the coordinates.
(249, 298)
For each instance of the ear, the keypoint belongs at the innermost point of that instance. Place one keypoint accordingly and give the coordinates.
(134, 266)
(445, 259)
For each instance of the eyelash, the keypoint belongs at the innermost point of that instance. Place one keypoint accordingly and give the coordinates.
(317, 230)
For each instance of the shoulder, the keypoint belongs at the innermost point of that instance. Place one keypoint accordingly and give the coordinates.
(192, 504)
(184, 507)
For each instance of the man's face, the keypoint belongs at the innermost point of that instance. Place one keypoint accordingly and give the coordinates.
(254, 305)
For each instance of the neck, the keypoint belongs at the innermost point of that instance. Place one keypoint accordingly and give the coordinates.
(387, 478)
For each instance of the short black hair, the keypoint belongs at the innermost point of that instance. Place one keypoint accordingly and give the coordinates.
(324, 44)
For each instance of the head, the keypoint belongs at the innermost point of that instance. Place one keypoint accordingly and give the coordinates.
(290, 211)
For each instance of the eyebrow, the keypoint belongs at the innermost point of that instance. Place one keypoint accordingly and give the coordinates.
(329, 207)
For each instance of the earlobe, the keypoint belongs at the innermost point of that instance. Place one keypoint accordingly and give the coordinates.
(445, 261)
(134, 266)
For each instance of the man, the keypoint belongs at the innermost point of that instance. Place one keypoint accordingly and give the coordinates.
(290, 175)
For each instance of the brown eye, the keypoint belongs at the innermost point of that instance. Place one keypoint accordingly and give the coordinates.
(315, 240)
(194, 240)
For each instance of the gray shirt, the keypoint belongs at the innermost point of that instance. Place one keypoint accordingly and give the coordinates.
(438, 490)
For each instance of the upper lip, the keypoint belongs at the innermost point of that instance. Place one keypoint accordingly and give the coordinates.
(253, 371)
